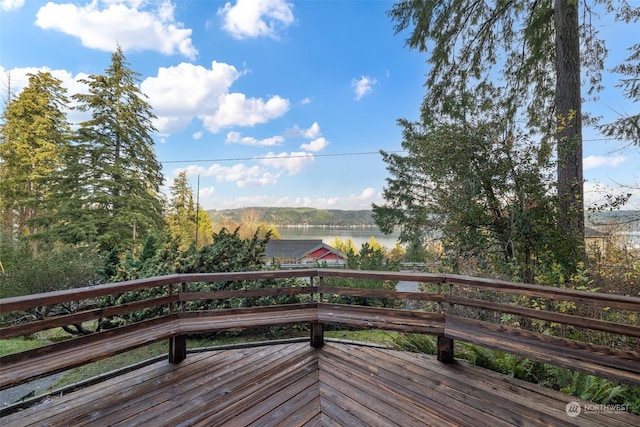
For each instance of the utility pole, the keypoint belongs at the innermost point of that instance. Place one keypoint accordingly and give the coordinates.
(197, 210)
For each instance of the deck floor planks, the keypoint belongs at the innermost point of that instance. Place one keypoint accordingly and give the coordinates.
(473, 394)
(220, 391)
(83, 403)
(152, 392)
(296, 384)
(370, 399)
(259, 397)
(429, 393)
(539, 404)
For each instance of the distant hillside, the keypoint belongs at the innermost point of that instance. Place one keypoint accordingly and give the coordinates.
(629, 219)
(344, 218)
(293, 216)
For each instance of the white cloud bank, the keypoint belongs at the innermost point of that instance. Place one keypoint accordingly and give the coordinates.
(183, 92)
(108, 23)
(256, 18)
(591, 162)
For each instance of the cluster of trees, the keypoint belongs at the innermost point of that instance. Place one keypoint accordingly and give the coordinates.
(96, 184)
(81, 204)
(496, 168)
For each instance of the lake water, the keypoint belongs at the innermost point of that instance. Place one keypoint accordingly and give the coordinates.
(357, 234)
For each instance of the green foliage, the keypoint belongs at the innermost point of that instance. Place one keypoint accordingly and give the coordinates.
(182, 220)
(109, 192)
(18, 345)
(367, 258)
(228, 252)
(34, 135)
(416, 343)
(627, 127)
(49, 269)
(483, 190)
(536, 52)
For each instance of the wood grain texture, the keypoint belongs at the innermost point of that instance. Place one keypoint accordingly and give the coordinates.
(295, 384)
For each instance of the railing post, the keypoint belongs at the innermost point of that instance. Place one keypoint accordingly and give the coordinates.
(177, 348)
(317, 335)
(178, 343)
(445, 344)
(317, 329)
(445, 349)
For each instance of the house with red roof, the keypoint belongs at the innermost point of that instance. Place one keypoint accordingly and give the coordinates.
(302, 252)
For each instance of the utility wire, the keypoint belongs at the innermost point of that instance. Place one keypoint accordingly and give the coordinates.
(293, 156)
(289, 156)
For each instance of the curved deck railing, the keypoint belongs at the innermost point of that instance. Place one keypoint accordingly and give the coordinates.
(591, 332)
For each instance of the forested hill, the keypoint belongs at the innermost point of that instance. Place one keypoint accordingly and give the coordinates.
(293, 216)
(343, 218)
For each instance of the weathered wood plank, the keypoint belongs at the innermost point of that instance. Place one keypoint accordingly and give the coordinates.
(436, 397)
(83, 316)
(192, 380)
(589, 358)
(247, 293)
(21, 367)
(382, 318)
(373, 293)
(565, 319)
(205, 390)
(275, 385)
(533, 404)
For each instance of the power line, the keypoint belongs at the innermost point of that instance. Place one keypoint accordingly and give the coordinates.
(288, 156)
(293, 156)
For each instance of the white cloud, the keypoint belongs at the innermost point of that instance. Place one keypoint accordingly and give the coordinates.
(255, 18)
(243, 176)
(312, 132)
(353, 201)
(108, 23)
(305, 101)
(198, 135)
(183, 92)
(293, 162)
(237, 138)
(8, 5)
(236, 110)
(316, 145)
(591, 162)
(363, 86)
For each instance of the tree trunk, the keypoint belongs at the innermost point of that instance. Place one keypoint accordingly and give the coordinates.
(569, 126)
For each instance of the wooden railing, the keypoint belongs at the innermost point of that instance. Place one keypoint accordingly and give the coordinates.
(591, 332)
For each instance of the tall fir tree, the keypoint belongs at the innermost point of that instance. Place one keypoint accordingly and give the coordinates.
(537, 51)
(34, 135)
(115, 199)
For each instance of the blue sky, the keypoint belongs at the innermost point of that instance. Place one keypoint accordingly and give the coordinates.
(268, 102)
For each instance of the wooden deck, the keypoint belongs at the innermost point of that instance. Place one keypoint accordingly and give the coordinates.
(295, 384)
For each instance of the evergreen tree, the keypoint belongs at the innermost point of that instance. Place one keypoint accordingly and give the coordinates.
(627, 127)
(481, 189)
(34, 135)
(539, 49)
(182, 220)
(116, 199)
